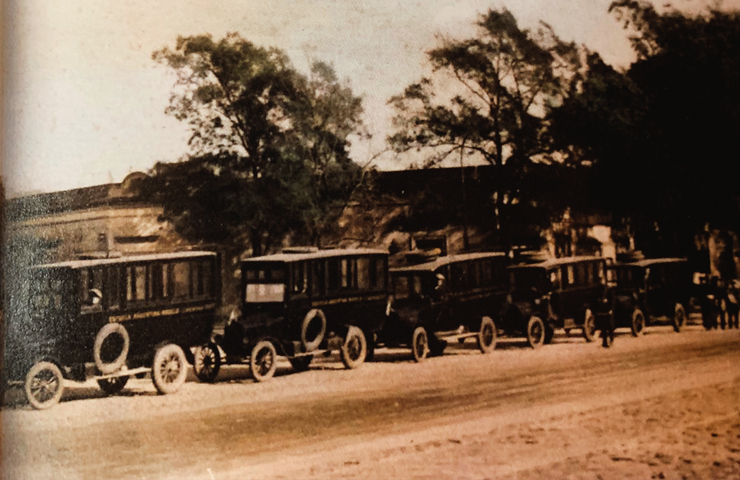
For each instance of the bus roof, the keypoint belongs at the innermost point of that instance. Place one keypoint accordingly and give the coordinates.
(555, 262)
(651, 261)
(297, 257)
(446, 260)
(148, 257)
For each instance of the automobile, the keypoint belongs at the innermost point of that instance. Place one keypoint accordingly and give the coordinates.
(111, 318)
(563, 293)
(301, 303)
(454, 297)
(649, 292)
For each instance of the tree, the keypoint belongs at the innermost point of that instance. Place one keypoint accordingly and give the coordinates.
(264, 140)
(497, 90)
(662, 134)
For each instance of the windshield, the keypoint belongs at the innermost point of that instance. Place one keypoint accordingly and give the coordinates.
(528, 278)
(265, 292)
(411, 285)
(628, 277)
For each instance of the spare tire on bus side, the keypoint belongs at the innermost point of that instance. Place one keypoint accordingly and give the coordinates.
(111, 348)
(313, 329)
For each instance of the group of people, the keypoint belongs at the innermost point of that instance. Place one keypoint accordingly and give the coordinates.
(722, 305)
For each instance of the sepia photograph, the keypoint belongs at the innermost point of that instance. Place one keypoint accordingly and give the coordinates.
(345, 239)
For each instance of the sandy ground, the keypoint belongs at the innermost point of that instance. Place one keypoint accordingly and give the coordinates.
(662, 406)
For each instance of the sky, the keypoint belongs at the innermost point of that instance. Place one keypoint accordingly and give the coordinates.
(84, 101)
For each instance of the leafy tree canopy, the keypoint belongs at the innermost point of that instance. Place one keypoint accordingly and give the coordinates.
(490, 97)
(265, 140)
(663, 133)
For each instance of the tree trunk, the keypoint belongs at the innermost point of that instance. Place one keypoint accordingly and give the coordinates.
(255, 237)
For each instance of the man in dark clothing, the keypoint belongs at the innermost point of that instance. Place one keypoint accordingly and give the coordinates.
(733, 303)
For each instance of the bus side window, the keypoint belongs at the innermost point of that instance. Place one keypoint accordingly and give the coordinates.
(319, 278)
(90, 279)
(571, 274)
(486, 273)
(181, 279)
(333, 275)
(377, 273)
(114, 287)
(300, 277)
(363, 273)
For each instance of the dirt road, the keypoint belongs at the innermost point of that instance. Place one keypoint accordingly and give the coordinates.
(663, 406)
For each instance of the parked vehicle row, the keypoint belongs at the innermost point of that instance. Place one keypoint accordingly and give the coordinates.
(117, 317)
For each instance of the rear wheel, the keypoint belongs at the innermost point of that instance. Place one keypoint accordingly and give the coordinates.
(207, 362)
(169, 368)
(535, 332)
(263, 361)
(679, 317)
(589, 326)
(44, 385)
(487, 335)
(638, 323)
(419, 344)
(354, 350)
(113, 385)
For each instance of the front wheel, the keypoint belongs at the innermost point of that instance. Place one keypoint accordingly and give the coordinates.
(419, 344)
(638, 323)
(263, 361)
(487, 335)
(354, 350)
(535, 332)
(207, 362)
(589, 326)
(113, 385)
(44, 385)
(679, 317)
(169, 369)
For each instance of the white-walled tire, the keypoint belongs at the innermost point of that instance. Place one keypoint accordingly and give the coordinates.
(169, 368)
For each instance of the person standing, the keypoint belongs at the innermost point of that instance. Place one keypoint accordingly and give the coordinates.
(733, 303)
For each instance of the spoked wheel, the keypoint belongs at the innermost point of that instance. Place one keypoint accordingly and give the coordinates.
(535, 332)
(207, 362)
(487, 335)
(300, 364)
(354, 350)
(44, 385)
(589, 326)
(169, 368)
(637, 327)
(679, 317)
(113, 385)
(263, 361)
(419, 344)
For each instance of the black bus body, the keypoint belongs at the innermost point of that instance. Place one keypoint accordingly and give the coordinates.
(454, 297)
(121, 314)
(301, 304)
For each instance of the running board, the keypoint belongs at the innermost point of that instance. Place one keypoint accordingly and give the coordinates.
(123, 373)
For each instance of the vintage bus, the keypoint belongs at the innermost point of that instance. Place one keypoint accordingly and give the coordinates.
(568, 293)
(453, 297)
(301, 303)
(115, 317)
(651, 291)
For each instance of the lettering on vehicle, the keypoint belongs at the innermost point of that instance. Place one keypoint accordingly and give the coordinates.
(159, 313)
(335, 301)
